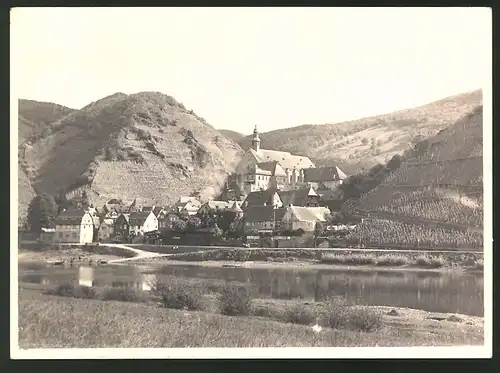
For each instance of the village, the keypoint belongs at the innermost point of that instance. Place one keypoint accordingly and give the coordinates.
(271, 199)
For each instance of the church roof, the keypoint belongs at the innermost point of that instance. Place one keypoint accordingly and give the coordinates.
(285, 159)
(273, 166)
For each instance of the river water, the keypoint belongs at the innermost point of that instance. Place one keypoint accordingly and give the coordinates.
(429, 291)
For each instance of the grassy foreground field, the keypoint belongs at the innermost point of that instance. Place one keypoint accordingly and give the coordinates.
(50, 321)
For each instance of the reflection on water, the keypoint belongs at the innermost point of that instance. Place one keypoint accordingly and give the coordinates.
(423, 290)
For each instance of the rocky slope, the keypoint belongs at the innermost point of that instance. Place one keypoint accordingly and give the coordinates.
(125, 146)
(371, 140)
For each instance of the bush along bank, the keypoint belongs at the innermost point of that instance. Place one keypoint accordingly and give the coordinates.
(347, 257)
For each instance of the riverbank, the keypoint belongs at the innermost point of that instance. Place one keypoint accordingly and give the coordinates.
(265, 258)
(81, 323)
(76, 254)
(326, 259)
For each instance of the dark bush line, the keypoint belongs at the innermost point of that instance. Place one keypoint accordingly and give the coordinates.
(234, 300)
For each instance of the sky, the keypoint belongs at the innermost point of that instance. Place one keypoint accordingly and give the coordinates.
(241, 67)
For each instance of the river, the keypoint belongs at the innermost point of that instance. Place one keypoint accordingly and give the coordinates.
(460, 293)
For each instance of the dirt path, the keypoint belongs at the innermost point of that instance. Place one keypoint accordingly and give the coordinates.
(139, 254)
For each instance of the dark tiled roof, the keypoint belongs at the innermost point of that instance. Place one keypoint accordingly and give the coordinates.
(295, 197)
(70, 217)
(138, 218)
(263, 213)
(258, 198)
(324, 174)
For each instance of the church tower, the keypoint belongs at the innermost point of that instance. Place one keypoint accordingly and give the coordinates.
(255, 140)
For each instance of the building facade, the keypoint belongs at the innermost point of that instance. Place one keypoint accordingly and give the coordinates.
(142, 222)
(74, 226)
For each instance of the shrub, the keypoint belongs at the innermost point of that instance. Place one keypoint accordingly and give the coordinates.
(430, 262)
(365, 319)
(122, 294)
(391, 260)
(70, 290)
(235, 300)
(178, 294)
(300, 314)
(336, 313)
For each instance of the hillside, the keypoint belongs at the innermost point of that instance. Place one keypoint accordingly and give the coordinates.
(125, 146)
(367, 141)
(233, 135)
(33, 119)
(435, 198)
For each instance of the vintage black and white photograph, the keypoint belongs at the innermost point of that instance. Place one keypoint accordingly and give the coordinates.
(192, 180)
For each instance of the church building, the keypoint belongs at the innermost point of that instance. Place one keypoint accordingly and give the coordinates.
(261, 169)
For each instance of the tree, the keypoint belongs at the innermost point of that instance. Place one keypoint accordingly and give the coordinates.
(318, 230)
(62, 201)
(85, 200)
(395, 162)
(179, 225)
(42, 212)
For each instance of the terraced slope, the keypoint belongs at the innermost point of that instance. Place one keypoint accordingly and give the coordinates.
(127, 146)
(435, 199)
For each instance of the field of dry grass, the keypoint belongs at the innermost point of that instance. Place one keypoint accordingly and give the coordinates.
(121, 318)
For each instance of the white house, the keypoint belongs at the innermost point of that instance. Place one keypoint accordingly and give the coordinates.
(142, 222)
(304, 218)
(74, 226)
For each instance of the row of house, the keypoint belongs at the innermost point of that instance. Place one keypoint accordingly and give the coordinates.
(260, 212)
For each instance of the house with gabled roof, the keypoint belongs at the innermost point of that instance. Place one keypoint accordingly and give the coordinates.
(261, 168)
(121, 225)
(324, 177)
(262, 219)
(187, 206)
(304, 218)
(212, 207)
(142, 222)
(140, 204)
(304, 197)
(262, 198)
(74, 226)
